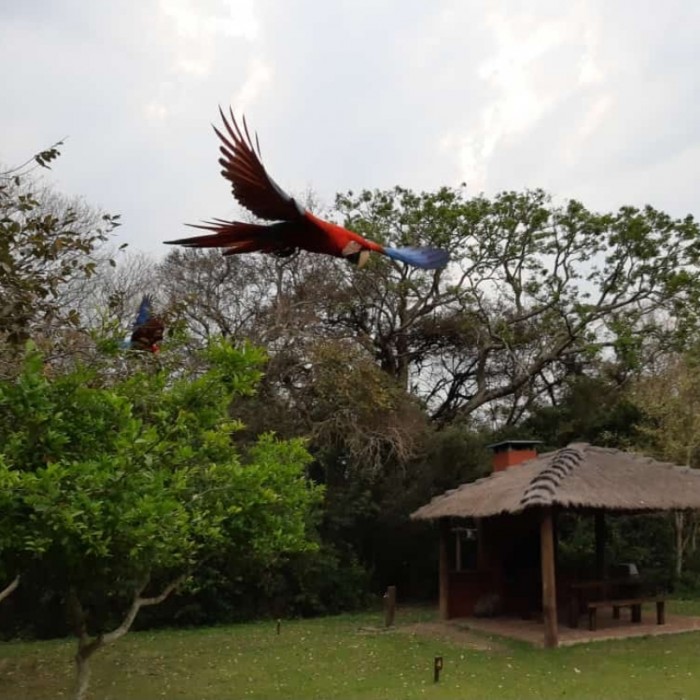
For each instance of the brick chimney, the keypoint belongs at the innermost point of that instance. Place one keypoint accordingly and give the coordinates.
(511, 452)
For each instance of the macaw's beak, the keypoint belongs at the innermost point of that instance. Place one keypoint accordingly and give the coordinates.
(359, 259)
(354, 253)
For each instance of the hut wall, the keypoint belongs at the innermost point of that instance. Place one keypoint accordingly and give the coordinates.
(508, 564)
(466, 588)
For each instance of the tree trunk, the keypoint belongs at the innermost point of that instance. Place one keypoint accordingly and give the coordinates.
(87, 647)
(83, 676)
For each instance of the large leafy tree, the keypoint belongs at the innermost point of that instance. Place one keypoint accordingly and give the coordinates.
(48, 245)
(11, 534)
(534, 291)
(124, 483)
(668, 398)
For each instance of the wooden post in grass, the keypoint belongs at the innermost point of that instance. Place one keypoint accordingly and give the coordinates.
(389, 606)
(549, 591)
(437, 667)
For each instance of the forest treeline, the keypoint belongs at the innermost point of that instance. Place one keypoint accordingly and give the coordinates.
(375, 389)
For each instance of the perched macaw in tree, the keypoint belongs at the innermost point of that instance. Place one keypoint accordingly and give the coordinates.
(295, 227)
(148, 329)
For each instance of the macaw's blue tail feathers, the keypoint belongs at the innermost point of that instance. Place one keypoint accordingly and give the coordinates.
(144, 312)
(425, 258)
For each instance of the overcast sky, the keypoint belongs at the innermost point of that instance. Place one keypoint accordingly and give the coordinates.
(593, 99)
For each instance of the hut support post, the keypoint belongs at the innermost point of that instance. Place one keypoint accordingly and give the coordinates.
(444, 569)
(549, 590)
(480, 546)
(600, 538)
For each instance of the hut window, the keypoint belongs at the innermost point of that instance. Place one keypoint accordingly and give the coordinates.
(465, 548)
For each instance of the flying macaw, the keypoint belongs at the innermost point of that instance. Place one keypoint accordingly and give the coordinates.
(147, 330)
(296, 227)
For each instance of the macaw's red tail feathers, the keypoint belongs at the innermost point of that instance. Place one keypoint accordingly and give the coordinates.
(226, 233)
(236, 237)
(425, 258)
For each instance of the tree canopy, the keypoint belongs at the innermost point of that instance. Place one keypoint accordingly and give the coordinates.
(47, 242)
(535, 292)
(116, 484)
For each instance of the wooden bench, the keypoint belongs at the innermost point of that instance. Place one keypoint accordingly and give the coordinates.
(634, 604)
(583, 592)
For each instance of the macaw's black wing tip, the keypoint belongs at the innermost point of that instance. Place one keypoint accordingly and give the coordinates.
(180, 241)
(184, 241)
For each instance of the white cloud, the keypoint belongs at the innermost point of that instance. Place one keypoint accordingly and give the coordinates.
(258, 77)
(156, 111)
(197, 19)
(537, 60)
(199, 25)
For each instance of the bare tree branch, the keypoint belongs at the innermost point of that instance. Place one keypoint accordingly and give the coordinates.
(10, 588)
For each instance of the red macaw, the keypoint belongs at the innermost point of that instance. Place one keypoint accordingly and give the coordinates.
(148, 329)
(296, 227)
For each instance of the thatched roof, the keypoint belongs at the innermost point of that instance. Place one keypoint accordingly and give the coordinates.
(577, 476)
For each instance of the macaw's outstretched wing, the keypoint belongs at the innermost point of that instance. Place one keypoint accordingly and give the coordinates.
(145, 311)
(148, 330)
(250, 183)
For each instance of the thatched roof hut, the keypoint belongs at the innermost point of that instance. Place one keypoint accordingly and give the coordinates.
(516, 508)
(577, 476)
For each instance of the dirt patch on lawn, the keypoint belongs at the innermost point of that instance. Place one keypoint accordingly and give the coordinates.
(453, 634)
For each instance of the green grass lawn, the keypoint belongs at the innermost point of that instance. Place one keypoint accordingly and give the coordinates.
(335, 657)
